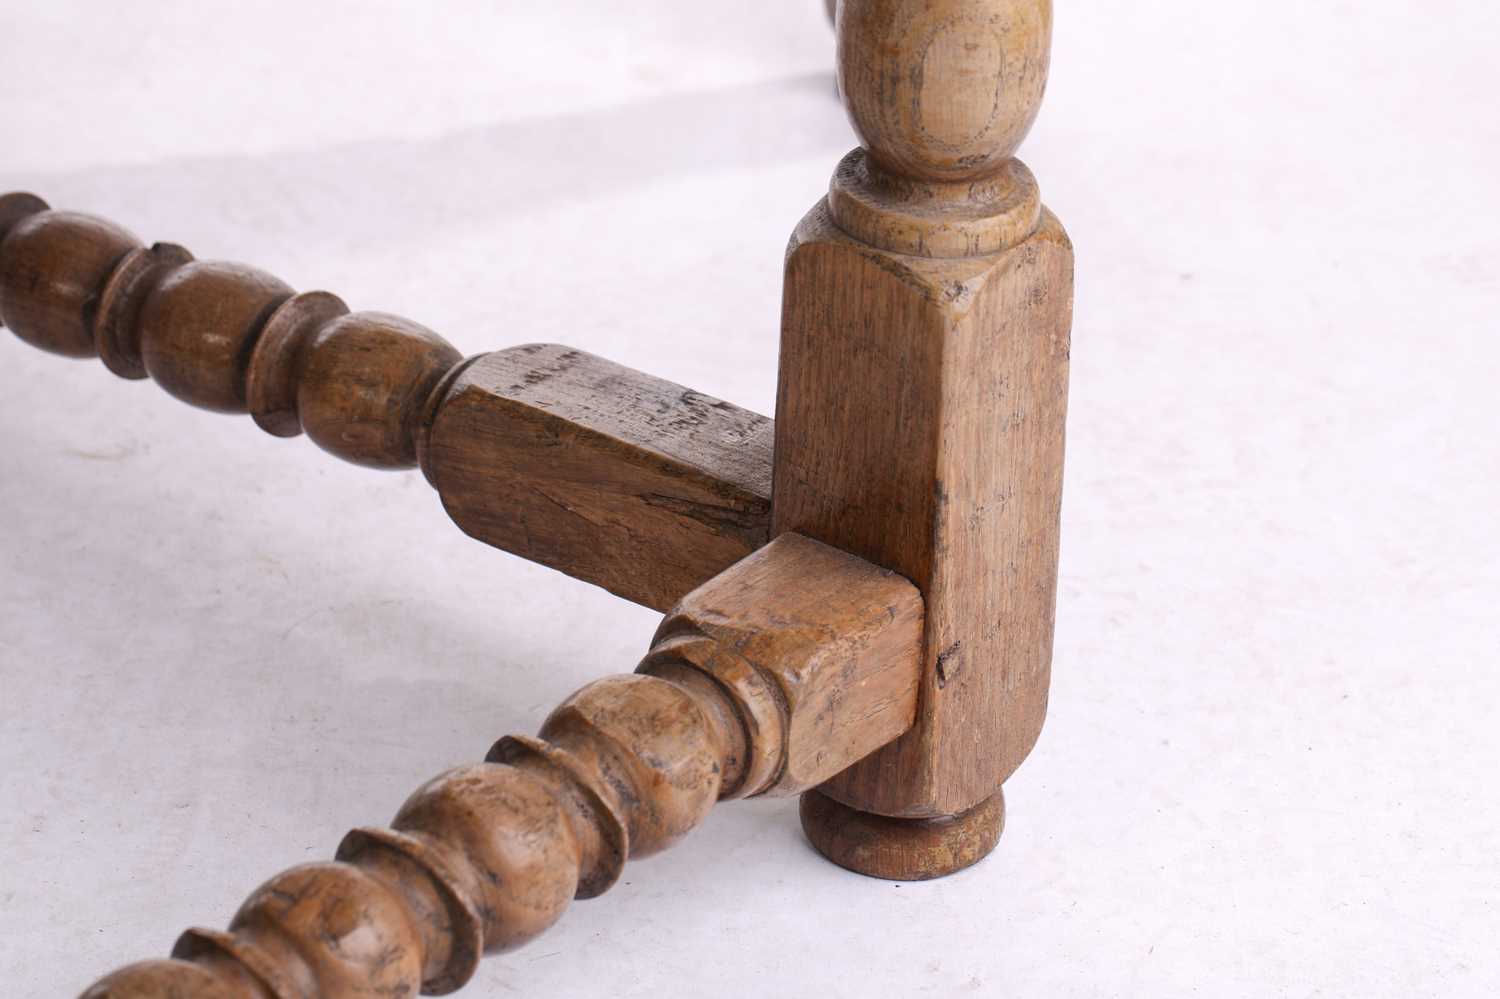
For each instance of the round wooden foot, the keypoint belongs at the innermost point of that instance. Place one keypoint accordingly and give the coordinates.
(902, 849)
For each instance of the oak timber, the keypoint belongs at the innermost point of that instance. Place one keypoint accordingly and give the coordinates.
(603, 472)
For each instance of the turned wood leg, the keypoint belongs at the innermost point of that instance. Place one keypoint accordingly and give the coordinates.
(923, 390)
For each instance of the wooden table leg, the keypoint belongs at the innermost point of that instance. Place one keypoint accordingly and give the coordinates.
(921, 406)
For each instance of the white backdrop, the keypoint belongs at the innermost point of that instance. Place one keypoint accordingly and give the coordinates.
(1269, 768)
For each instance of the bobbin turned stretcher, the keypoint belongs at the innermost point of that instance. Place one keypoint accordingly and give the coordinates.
(859, 597)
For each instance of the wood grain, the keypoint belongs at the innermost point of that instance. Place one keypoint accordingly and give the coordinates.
(921, 406)
(55, 267)
(198, 327)
(810, 638)
(943, 90)
(483, 858)
(614, 476)
(479, 860)
(902, 849)
(365, 386)
(923, 384)
(920, 426)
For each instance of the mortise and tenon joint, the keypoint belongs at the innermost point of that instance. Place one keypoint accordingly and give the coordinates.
(859, 596)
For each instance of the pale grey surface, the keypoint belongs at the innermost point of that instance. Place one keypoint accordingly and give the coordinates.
(1269, 768)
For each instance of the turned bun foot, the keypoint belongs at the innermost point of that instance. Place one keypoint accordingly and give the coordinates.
(902, 849)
